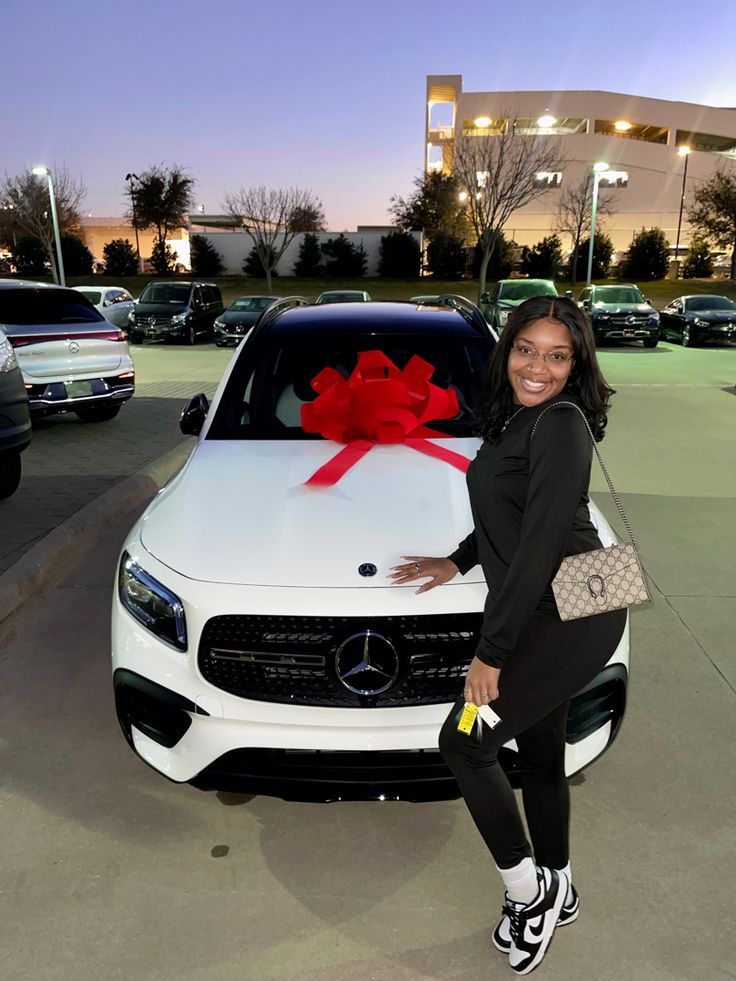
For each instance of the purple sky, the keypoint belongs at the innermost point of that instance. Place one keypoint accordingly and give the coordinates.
(324, 94)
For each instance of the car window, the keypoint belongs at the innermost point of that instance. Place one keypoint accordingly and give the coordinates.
(696, 303)
(125, 297)
(272, 379)
(166, 293)
(251, 304)
(618, 294)
(94, 296)
(522, 290)
(31, 307)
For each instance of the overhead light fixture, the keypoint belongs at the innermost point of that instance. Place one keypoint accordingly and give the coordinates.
(683, 150)
(483, 122)
(600, 166)
(40, 171)
(622, 126)
(546, 121)
(462, 196)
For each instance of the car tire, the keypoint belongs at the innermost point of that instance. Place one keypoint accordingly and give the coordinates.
(687, 338)
(191, 335)
(9, 473)
(650, 341)
(135, 337)
(102, 413)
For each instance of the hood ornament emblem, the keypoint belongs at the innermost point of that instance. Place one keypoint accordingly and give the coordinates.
(367, 569)
(73, 347)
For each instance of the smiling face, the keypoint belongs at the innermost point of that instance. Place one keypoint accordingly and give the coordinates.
(535, 379)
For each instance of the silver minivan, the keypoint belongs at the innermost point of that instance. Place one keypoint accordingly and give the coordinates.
(71, 358)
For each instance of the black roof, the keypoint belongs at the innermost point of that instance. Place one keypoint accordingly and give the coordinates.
(371, 318)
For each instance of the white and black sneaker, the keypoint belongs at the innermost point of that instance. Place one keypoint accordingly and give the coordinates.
(532, 925)
(501, 936)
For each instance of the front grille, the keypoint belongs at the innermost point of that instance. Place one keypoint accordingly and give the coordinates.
(158, 319)
(625, 322)
(292, 659)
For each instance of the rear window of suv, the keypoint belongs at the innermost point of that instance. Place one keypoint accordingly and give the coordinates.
(39, 307)
(271, 380)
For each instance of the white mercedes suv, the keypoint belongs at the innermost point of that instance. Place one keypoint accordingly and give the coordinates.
(257, 644)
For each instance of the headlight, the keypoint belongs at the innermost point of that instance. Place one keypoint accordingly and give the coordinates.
(8, 361)
(219, 325)
(152, 604)
(131, 317)
(701, 323)
(179, 318)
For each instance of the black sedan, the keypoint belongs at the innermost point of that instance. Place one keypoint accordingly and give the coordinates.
(695, 319)
(232, 325)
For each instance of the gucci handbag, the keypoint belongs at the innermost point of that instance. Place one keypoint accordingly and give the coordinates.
(603, 579)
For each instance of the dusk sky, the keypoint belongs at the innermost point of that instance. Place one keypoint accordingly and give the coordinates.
(325, 95)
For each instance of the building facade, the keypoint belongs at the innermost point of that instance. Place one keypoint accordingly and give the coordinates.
(639, 139)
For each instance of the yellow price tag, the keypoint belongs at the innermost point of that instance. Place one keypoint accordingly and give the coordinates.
(467, 719)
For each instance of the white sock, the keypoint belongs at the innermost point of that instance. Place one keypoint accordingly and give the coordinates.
(568, 873)
(521, 881)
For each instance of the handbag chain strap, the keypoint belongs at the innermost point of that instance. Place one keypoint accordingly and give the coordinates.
(606, 474)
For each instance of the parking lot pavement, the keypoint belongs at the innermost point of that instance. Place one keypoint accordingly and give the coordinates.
(69, 463)
(115, 874)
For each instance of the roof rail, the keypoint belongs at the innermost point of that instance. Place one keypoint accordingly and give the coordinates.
(467, 309)
(277, 307)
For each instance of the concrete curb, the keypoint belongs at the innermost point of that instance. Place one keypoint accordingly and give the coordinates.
(45, 561)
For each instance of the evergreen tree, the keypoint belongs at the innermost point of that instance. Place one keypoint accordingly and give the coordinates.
(399, 256)
(120, 258)
(501, 262)
(309, 260)
(446, 256)
(542, 260)
(29, 256)
(649, 255)
(206, 260)
(163, 258)
(344, 259)
(78, 260)
(254, 267)
(602, 252)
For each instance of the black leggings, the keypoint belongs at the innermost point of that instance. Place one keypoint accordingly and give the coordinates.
(552, 662)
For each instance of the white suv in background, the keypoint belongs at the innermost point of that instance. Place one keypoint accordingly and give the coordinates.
(71, 358)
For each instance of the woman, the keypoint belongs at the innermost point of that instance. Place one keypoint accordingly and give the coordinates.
(529, 500)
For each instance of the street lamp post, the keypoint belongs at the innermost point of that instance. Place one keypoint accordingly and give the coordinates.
(684, 151)
(598, 169)
(41, 171)
(134, 177)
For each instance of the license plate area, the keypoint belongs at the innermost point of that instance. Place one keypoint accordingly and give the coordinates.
(628, 332)
(78, 389)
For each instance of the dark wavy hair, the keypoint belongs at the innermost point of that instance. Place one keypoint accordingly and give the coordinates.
(586, 382)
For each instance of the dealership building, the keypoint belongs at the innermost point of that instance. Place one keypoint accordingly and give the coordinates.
(647, 144)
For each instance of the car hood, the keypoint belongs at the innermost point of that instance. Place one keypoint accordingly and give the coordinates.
(713, 316)
(246, 318)
(622, 308)
(239, 512)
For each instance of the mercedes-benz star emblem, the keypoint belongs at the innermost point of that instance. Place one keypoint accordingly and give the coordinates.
(367, 663)
(631, 320)
(367, 569)
(73, 347)
(152, 321)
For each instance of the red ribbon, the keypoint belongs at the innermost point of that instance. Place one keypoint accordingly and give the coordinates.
(378, 403)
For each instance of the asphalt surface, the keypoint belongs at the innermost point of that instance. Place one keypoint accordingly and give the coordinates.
(111, 873)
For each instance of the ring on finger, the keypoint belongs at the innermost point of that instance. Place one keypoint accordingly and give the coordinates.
(416, 566)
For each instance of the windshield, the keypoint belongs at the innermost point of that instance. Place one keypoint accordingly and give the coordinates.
(32, 307)
(94, 296)
(252, 304)
(618, 294)
(522, 290)
(271, 380)
(709, 303)
(166, 293)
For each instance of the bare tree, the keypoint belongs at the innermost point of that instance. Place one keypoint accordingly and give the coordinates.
(161, 198)
(497, 176)
(28, 197)
(574, 214)
(273, 217)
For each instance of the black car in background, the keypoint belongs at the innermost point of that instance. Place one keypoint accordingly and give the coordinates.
(620, 313)
(15, 418)
(175, 311)
(699, 318)
(507, 294)
(232, 325)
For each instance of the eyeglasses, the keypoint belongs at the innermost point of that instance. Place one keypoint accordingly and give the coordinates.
(526, 353)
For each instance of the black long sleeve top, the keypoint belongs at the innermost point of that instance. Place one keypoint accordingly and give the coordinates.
(529, 500)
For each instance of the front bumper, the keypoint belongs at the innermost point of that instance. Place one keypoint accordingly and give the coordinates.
(616, 332)
(189, 730)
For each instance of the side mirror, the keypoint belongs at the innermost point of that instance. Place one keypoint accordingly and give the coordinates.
(194, 414)
(485, 297)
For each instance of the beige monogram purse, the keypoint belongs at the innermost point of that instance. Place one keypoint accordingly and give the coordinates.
(606, 578)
